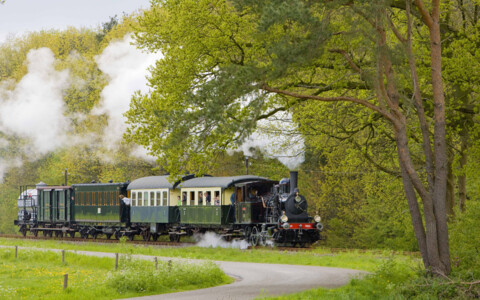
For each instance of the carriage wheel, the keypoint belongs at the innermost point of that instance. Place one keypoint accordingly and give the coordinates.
(155, 237)
(23, 231)
(45, 233)
(177, 238)
(171, 237)
(131, 236)
(146, 235)
(35, 233)
(254, 236)
(50, 233)
(72, 234)
(108, 236)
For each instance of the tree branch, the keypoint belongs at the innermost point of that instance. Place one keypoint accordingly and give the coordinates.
(365, 103)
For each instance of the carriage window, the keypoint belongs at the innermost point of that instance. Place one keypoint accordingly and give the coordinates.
(134, 198)
(139, 199)
(145, 199)
(192, 198)
(216, 200)
(152, 198)
(158, 199)
(165, 199)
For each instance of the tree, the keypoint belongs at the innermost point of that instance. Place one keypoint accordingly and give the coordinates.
(229, 64)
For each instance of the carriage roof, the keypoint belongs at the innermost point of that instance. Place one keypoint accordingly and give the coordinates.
(222, 182)
(150, 182)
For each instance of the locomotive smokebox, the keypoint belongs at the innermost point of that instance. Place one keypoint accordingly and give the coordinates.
(293, 180)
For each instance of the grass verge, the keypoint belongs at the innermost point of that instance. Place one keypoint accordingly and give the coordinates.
(40, 275)
(367, 261)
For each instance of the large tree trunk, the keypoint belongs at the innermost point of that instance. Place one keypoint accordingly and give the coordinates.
(440, 147)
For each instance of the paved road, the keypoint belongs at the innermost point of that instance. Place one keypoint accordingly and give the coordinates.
(253, 279)
(266, 279)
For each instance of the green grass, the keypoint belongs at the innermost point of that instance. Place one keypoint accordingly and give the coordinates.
(38, 274)
(386, 283)
(367, 261)
(389, 271)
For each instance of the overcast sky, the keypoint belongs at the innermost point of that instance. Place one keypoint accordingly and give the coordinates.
(20, 16)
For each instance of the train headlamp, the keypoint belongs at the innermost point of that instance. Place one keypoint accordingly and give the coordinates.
(285, 225)
(317, 218)
(284, 218)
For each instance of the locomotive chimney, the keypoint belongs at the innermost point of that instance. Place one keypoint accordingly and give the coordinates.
(293, 180)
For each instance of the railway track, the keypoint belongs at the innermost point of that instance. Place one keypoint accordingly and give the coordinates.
(187, 244)
(98, 240)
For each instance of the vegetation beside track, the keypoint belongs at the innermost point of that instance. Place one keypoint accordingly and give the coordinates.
(40, 275)
(353, 259)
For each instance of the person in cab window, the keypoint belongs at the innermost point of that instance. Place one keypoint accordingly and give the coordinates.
(125, 208)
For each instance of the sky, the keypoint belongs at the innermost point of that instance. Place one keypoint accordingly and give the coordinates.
(21, 16)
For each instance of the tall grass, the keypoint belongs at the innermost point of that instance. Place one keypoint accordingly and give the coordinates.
(39, 275)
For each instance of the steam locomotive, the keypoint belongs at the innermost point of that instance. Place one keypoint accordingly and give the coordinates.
(237, 207)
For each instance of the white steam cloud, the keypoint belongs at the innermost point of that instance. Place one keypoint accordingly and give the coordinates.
(278, 138)
(127, 68)
(35, 108)
(213, 240)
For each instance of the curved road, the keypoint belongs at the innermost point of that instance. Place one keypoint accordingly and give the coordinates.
(254, 279)
(266, 279)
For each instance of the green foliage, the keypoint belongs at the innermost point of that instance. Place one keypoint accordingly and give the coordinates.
(465, 241)
(141, 277)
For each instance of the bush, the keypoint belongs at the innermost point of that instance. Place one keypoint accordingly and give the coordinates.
(140, 276)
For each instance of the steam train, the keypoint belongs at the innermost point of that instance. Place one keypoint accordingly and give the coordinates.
(238, 207)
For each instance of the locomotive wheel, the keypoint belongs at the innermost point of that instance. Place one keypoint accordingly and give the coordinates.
(262, 239)
(254, 236)
(23, 231)
(303, 244)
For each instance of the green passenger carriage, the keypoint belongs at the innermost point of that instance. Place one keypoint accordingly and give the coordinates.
(153, 206)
